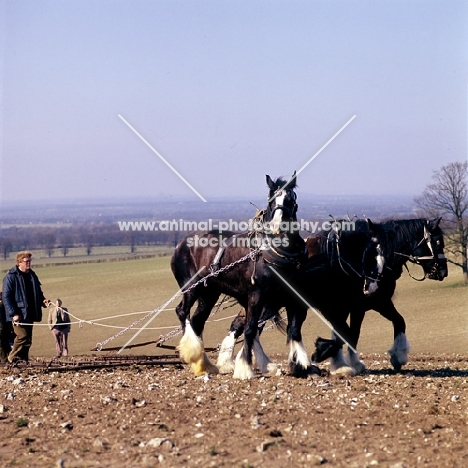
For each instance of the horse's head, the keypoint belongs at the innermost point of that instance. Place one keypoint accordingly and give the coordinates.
(282, 206)
(429, 252)
(373, 263)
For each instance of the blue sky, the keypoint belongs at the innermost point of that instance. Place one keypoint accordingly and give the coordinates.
(228, 91)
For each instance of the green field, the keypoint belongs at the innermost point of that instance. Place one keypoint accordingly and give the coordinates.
(78, 255)
(436, 312)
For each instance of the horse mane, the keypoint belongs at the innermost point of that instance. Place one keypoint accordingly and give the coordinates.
(398, 234)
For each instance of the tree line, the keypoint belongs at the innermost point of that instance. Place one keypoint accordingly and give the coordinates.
(61, 239)
(445, 197)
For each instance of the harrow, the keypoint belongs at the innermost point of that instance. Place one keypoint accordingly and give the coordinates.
(92, 362)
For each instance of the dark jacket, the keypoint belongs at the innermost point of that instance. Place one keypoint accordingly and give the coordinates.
(14, 297)
(2, 313)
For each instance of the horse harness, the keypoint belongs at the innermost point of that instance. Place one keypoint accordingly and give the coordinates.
(427, 238)
(334, 234)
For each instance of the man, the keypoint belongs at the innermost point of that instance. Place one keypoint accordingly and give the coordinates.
(23, 300)
(6, 333)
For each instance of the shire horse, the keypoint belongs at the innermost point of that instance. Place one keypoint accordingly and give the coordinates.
(343, 265)
(418, 241)
(246, 264)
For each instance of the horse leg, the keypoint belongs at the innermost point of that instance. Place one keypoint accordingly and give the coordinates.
(243, 365)
(263, 362)
(183, 308)
(298, 360)
(357, 316)
(191, 347)
(338, 364)
(225, 360)
(400, 348)
(332, 349)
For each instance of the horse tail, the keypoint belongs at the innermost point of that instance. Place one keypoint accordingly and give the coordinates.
(183, 263)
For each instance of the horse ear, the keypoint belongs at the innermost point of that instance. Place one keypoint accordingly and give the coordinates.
(433, 223)
(269, 182)
(292, 184)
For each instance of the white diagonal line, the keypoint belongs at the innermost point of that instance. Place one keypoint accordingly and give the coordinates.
(318, 152)
(160, 309)
(316, 312)
(160, 157)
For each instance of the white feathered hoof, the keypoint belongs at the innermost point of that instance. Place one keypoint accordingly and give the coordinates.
(273, 369)
(399, 352)
(225, 361)
(338, 366)
(227, 367)
(242, 370)
(203, 366)
(190, 347)
(299, 362)
(345, 371)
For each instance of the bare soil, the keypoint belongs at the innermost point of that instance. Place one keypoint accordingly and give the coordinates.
(146, 416)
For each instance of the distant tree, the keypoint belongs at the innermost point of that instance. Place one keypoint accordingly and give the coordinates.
(448, 197)
(88, 241)
(89, 247)
(132, 243)
(66, 244)
(49, 243)
(6, 246)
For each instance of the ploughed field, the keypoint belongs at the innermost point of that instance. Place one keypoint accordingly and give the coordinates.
(164, 416)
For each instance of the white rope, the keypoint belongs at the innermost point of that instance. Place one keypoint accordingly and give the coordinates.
(80, 321)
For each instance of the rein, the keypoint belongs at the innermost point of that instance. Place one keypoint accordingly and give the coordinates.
(417, 260)
(411, 276)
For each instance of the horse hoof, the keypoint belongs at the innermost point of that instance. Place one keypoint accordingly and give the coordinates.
(297, 370)
(314, 370)
(272, 368)
(242, 370)
(203, 366)
(345, 371)
(226, 368)
(395, 363)
(359, 367)
(243, 375)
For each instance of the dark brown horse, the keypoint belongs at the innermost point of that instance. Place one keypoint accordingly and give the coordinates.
(245, 266)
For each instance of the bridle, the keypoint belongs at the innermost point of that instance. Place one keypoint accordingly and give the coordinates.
(288, 211)
(416, 259)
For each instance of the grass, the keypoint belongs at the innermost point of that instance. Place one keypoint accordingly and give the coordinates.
(78, 255)
(435, 312)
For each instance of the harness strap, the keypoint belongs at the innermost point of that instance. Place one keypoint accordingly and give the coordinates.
(411, 276)
(217, 260)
